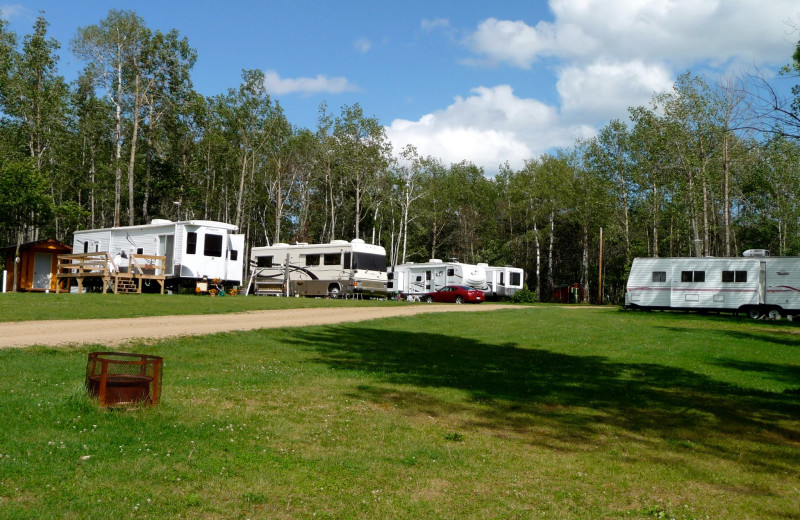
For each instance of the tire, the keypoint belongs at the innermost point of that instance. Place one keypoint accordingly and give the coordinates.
(754, 312)
(459, 300)
(774, 314)
(429, 299)
(333, 291)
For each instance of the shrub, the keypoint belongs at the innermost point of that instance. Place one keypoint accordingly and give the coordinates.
(524, 295)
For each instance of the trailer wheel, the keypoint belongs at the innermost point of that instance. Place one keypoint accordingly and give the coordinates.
(429, 299)
(754, 312)
(333, 291)
(774, 314)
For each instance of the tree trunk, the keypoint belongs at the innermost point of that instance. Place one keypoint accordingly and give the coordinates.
(551, 225)
(132, 162)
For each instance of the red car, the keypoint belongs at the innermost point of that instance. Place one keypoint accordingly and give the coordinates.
(456, 294)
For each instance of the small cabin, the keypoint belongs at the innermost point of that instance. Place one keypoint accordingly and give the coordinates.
(38, 265)
(568, 293)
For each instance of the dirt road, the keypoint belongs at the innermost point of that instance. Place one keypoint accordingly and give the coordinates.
(117, 331)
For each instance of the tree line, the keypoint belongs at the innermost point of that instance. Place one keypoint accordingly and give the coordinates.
(702, 170)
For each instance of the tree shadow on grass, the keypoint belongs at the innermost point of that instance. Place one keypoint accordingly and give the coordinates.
(562, 401)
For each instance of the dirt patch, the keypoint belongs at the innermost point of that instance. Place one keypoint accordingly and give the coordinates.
(122, 330)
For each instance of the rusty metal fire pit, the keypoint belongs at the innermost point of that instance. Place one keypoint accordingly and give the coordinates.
(121, 378)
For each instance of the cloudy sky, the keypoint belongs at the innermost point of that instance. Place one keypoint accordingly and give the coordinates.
(488, 82)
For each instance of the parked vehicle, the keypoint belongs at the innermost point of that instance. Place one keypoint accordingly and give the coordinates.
(756, 284)
(503, 281)
(456, 294)
(194, 249)
(336, 269)
(412, 279)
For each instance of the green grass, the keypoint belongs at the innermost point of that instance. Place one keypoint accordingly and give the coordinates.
(544, 412)
(51, 306)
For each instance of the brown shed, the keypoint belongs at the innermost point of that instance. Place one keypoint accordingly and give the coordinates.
(38, 263)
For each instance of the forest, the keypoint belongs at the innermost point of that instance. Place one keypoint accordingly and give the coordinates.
(708, 168)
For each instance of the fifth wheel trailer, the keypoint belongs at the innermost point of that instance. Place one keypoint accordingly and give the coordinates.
(426, 277)
(756, 285)
(194, 249)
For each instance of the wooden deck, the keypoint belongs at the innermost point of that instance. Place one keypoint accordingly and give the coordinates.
(100, 266)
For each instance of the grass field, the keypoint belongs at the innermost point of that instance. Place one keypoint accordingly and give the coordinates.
(543, 412)
(33, 306)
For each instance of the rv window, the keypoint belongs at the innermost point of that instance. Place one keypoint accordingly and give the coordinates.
(213, 245)
(451, 271)
(502, 278)
(140, 251)
(419, 278)
(390, 276)
(693, 276)
(234, 254)
(191, 243)
(347, 257)
(516, 279)
(264, 261)
(332, 259)
(86, 247)
(661, 276)
(312, 259)
(427, 275)
(369, 262)
(734, 276)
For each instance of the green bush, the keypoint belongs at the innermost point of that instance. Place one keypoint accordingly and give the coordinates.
(524, 295)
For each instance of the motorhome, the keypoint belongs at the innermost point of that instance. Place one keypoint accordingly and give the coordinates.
(756, 284)
(416, 279)
(503, 281)
(336, 269)
(194, 249)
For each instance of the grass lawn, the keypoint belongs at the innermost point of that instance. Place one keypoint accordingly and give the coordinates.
(546, 412)
(51, 306)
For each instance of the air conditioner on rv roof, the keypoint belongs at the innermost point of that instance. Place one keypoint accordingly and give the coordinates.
(756, 252)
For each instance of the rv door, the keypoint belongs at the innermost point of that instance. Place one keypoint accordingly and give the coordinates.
(166, 248)
(762, 283)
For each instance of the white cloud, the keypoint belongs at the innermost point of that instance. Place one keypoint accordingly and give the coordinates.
(362, 45)
(8, 11)
(606, 89)
(681, 32)
(318, 84)
(436, 23)
(489, 127)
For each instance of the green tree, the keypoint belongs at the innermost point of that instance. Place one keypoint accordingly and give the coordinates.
(24, 202)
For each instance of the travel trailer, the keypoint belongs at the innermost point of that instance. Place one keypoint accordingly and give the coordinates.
(756, 284)
(413, 279)
(194, 249)
(504, 281)
(337, 269)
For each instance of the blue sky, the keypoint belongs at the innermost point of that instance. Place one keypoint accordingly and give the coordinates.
(484, 81)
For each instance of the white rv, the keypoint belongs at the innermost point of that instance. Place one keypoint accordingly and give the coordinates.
(194, 249)
(504, 281)
(754, 284)
(413, 279)
(339, 268)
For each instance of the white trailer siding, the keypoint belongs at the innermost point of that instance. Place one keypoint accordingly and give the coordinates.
(783, 282)
(756, 285)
